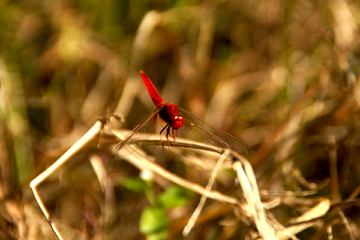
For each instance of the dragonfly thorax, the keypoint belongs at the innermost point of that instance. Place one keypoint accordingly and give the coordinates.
(170, 115)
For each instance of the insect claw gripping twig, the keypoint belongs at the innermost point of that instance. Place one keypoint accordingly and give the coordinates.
(173, 134)
(169, 134)
(167, 127)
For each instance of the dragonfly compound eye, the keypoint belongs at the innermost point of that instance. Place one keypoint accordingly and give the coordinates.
(177, 121)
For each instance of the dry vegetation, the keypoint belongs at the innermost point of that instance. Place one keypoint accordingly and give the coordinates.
(283, 76)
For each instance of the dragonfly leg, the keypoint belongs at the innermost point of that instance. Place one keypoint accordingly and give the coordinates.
(162, 144)
(168, 134)
(173, 135)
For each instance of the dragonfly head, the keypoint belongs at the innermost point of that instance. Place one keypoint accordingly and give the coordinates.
(176, 121)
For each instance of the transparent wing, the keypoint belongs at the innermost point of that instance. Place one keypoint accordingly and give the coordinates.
(139, 131)
(199, 130)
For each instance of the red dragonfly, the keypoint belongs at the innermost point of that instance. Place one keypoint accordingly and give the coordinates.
(177, 119)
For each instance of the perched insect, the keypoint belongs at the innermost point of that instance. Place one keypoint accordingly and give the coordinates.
(176, 118)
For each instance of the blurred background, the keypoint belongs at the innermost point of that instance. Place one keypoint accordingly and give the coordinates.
(283, 76)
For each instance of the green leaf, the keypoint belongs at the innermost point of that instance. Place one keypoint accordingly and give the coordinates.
(174, 196)
(153, 220)
(157, 236)
(136, 185)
